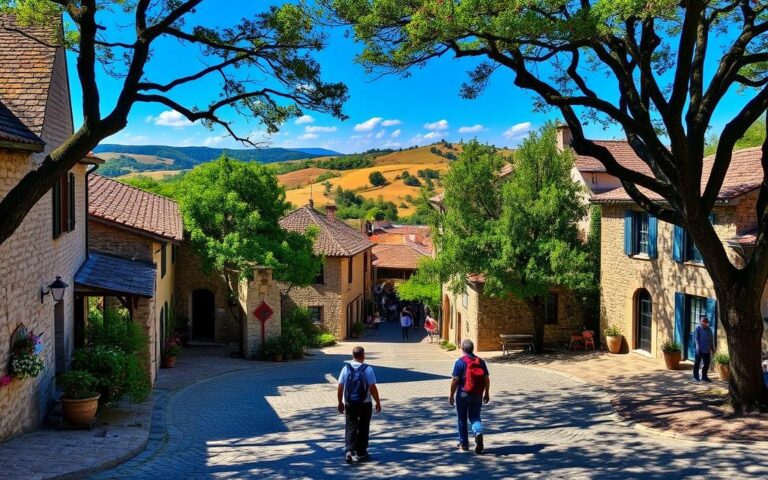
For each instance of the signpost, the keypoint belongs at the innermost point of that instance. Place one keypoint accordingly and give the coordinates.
(263, 312)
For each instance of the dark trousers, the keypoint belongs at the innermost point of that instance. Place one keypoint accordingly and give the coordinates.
(468, 407)
(701, 358)
(358, 427)
(405, 332)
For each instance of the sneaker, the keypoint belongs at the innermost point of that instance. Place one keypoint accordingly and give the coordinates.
(706, 379)
(695, 379)
(349, 457)
(463, 448)
(479, 443)
(363, 457)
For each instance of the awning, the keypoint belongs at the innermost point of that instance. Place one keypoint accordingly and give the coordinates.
(108, 274)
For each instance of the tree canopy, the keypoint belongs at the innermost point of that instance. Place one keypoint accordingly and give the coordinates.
(231, 210)
(521, 231)
(377, 178)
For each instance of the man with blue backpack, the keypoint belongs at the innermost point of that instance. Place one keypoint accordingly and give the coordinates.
(357, 387)
(470, 386)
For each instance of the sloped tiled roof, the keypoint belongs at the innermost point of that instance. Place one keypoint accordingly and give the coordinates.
(744, 174)
(117, 274)
(13, 130)
(396, 256)
(622, 152)
(335, 238)
(746, 239)
(26, 70)
(132, 207)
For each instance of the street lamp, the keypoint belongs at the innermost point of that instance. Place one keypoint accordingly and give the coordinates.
(56, 289)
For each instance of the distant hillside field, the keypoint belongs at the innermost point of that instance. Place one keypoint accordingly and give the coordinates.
(420, 155)
(156, 175)
(301, 177)
(148, 159)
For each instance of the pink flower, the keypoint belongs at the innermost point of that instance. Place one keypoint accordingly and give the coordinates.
(5, 380)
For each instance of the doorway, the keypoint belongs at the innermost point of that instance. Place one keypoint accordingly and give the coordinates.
(203, 315)
(644, 316)
(696, 308)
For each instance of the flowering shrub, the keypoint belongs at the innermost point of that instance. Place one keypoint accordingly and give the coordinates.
(26, 358)
(173, 346)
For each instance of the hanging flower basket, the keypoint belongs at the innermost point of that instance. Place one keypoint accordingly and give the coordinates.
(26, 356)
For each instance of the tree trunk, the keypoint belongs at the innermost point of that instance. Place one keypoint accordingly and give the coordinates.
(740, 317)
(536, 304)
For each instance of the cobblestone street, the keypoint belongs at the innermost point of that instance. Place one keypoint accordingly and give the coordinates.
(280, 421)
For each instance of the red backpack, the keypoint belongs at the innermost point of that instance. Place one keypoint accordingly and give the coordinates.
(474, 379)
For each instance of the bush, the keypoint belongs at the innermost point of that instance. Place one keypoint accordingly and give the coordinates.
(377, 179)
(323, 339)
(358, 328)
(117, 373)
(293, 341)
(115, 328)
(77, 384)
(613, 331)
(671, 347)
(412, 181)
(449, 347)
(722, 358)
(270, 348)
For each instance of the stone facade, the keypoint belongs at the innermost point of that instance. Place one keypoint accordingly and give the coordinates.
(482, 319)
(623, 277)
(262, 288)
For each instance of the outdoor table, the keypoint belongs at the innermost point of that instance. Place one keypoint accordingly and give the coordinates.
(516, 340)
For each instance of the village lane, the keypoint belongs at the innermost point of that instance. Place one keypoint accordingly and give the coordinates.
(280, 421)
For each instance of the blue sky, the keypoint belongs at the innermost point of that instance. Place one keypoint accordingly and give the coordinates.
(387, 111)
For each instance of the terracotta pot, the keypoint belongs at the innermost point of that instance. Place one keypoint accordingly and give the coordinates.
(277, 357)
(672, 359)
(614, 344)
(169, 362)
(723, 371)
(81, 411)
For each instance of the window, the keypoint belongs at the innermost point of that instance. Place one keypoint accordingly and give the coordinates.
(684, 249)
(692, 253)
(550, 310)
(320, 277)
(64, 205)
(464, 299)
(316, 315)
(349, 269)
(640, 230)
(689, 310)
(163, 260)
(644, 320)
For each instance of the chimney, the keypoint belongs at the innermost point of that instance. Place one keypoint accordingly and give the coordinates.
(330, 210)
(311, 203)
(564, 136)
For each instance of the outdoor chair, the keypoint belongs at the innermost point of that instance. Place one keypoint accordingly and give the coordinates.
(588, 337)
(577, 341)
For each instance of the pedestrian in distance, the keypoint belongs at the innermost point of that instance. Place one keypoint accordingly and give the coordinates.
(406, 322)
(376, 320)
(356, 392)
(430, 325)
(705, 347)
(470, 389)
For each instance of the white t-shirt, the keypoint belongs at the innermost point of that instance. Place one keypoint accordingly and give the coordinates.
(370, 377)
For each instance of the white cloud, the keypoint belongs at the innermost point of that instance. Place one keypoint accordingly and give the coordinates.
(304, 119)
(423, 139)
(307, 136)
(128, 139)
(518, 131)
(390, 123)
(319, 129)
(432, 135)
(381, 134)
(358, 137)
(170, 118)
(472, 129)
(396, 133)
(213, 140)
(438, 125)
(368, 125)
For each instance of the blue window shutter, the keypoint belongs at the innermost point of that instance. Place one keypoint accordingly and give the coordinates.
(678, 243)
(679, 317)
(712, 315)
(653, 227)
(629, 232)
(712, 218)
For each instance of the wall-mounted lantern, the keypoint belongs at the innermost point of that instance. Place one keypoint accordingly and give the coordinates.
(56, 289)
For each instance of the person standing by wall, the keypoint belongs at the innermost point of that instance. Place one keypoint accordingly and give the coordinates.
(355, 392)
(470, 389)
(705, 347)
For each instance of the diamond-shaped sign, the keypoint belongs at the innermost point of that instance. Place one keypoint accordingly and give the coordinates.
(263, 312)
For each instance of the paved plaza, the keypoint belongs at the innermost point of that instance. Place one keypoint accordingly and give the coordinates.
(279, 420)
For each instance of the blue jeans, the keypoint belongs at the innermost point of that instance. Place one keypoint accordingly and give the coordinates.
(700, 358)
(468, 406)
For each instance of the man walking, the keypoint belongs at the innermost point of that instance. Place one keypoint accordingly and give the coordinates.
(470, 388)
(406, 322)
(705, 347)
(357, 386)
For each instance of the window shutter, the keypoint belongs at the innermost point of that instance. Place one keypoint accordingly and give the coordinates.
(679, 317)
(72, 202)
(629, 232)
(712, 218)
(56, 196)
(678, 243)
(653, 227)
(64, 203)
(712, 316)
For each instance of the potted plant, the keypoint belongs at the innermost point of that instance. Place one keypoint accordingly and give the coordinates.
(172, 350)
(673, 354)
(614, 338)
(80, 400)
(358, 329)
(722, 362)
(272, 349)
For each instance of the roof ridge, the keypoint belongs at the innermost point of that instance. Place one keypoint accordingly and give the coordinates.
(314, 212)
(128, 185)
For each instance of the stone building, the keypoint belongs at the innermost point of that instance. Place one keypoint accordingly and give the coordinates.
(35, 118)
(342, 290)
(654, 285)
(133, 241)
(398, 249)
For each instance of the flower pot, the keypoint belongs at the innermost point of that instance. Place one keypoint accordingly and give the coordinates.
(278, 357)
(169, 362)
(614, 344)
(81, 411)
(672, 359)
(723, 371)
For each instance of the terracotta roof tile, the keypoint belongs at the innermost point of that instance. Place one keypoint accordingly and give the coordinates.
(746, 239)
(744, 175)
(335, 238)
(396, 256)
(26, 68)
(132, 207)
(621, 151)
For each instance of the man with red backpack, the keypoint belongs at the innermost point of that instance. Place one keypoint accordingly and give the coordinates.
(357, 387)
(470, 389)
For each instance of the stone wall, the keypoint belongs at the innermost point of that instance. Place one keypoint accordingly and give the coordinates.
(30, 260)
(251, 294)
(118, 241)
(327, 295)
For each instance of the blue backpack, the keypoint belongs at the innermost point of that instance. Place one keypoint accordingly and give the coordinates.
(356, 386)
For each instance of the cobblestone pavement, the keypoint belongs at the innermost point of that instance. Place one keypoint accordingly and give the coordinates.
(280, 422)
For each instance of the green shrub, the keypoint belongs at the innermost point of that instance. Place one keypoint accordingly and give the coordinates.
(117, 373)
(323, 339)
(77, 384)
(671, 347)
(722, 358)
(449, 347)
(293, 340)
(358, 328)
(377, 178)
(412, 181)
(115, 328)
(613, 331)
(270, 348)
